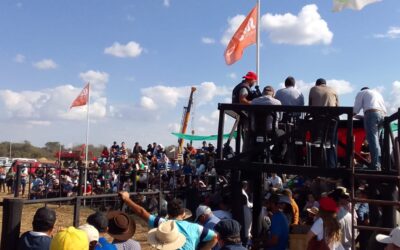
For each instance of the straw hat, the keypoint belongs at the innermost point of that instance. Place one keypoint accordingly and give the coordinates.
(313, 210)
(166, 236)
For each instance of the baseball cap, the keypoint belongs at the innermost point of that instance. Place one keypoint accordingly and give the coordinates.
(393, 238)
(91, 231)
(227, 228)
(70, 239)
(328, 204)
(250, 76)
(99, 221)
(320, 81)
(284, 199)
(202, 210)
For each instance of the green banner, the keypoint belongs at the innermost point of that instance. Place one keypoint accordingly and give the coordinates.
(394, 127)
(201, 137)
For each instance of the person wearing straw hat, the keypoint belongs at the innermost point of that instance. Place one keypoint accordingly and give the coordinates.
(166, 236)
(122, 227)
(392, 241)
(194, 233)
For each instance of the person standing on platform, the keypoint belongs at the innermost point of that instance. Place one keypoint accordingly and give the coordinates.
(242, 93)
(371, 102)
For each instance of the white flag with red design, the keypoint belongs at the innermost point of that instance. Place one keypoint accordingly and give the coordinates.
(339, 5)
(82, 98)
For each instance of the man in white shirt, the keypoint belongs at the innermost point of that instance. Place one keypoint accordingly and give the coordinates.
(371, 102)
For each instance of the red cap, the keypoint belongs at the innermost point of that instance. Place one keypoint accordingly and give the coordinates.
(328, 204)
(250, 76)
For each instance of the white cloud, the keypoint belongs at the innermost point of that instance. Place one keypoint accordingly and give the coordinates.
(130, 18)
(232, 76)
(174, 127)
(39, 123)
(391, 33)
(97, 79)
(207, 40)
(394, 101)
(131, 49)
(329, 50)
(19, 58)
(342, 87)
(166, 3)
(45, 64)
(148, 103)
(53, 103)
(168, 97)
(207, 120)
(307, 28)
(233, 25)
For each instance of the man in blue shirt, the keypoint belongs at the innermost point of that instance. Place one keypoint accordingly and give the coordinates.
(100, 222)
(279, 230)
(205, 217)
(194, 233)
(43, 224)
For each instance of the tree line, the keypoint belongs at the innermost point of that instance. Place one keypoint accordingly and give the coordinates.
(26, 150)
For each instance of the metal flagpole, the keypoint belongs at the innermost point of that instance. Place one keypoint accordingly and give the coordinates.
(258, 42)
(59, 156)
(87, 144)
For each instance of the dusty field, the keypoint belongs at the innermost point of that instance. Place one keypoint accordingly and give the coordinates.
(65, 217)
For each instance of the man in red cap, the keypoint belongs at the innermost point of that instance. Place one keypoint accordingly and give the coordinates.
(242, 92)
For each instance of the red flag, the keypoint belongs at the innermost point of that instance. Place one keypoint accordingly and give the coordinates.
(245, 36)
(82, 98)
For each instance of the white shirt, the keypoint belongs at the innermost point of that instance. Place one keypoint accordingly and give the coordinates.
(369, 99)
(344, 218)
(318, 229)
(249, 204)
(276, 182)
(222, 214)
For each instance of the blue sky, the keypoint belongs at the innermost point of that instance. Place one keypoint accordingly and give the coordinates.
(143, 56)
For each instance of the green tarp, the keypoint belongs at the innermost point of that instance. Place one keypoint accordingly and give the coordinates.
(201, 137)
(393, 126)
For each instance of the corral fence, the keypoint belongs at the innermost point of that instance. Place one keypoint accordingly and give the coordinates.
(12, 207)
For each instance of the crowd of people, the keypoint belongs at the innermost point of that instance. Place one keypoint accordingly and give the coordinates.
(319, 208)
(370, 101)
(118, 168)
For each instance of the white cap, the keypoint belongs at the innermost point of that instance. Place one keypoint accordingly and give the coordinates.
(202, 210)
(393, 238)
(91, 232)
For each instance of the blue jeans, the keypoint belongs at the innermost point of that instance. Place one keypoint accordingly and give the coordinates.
(372, 122)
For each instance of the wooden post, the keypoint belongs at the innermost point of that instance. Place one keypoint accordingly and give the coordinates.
(11, 225)
(77, 209)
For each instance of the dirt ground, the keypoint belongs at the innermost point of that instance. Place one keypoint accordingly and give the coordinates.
(65, 217)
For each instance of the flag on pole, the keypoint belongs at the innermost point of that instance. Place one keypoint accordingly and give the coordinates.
(339, 5)
(82, 98)
(245, 36)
